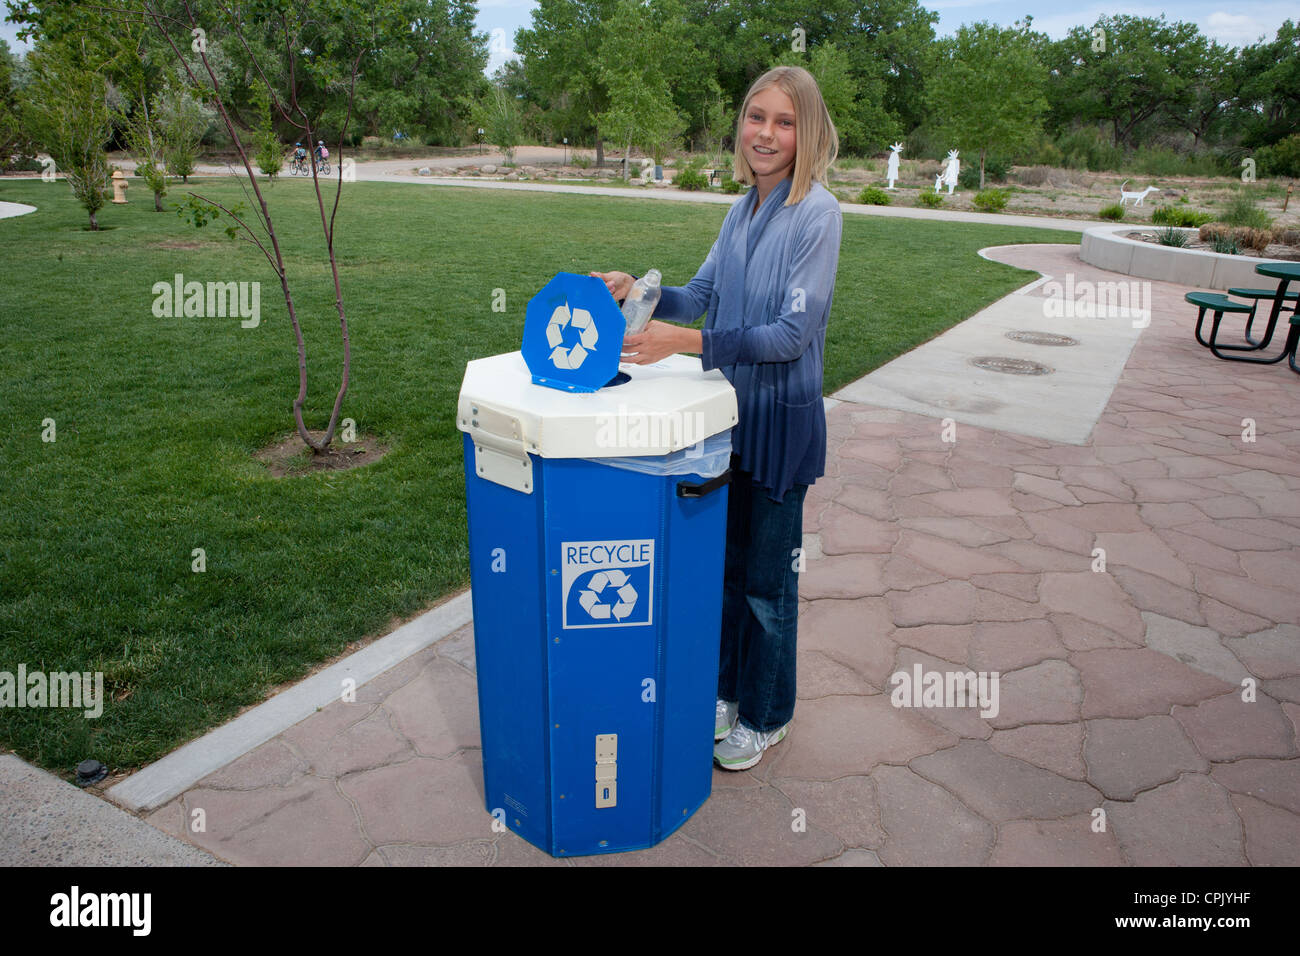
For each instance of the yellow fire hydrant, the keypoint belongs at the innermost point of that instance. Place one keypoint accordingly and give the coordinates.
(120, 186)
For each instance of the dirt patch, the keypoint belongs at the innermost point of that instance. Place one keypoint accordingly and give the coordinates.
(289, 457)
(177, 244)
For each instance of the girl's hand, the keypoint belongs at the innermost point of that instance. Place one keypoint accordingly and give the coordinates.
(619, 284)
(657, 341)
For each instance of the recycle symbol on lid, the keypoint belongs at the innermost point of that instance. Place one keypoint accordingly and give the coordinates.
(601, 581)
(581, 320)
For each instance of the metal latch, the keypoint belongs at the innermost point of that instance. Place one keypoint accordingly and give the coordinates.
(606, 770)
(500, 452)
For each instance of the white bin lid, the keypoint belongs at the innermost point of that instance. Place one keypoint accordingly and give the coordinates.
(664, 408)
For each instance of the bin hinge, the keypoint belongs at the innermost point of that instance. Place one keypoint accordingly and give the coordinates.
(500, 451)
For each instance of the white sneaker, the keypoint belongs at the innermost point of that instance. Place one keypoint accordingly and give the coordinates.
(727, 715)
(744, 747)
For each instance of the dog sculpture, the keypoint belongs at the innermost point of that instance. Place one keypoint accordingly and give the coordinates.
(1125, 196)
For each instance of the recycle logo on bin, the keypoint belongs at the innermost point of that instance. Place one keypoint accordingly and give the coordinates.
(573, 357)
(607, 584)
(608, 594)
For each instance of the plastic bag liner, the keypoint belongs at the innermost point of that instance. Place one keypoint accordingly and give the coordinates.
(708, 459)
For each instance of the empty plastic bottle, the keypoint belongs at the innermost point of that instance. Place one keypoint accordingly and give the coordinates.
(641, 301)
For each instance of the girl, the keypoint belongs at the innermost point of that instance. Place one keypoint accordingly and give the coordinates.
(766, 286)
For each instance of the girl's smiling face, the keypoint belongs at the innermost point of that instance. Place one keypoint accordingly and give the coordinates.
(768, 136)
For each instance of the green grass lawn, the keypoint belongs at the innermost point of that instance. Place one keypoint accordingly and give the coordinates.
(157, 420)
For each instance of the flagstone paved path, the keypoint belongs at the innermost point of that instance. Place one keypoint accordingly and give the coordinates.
(1138, 595)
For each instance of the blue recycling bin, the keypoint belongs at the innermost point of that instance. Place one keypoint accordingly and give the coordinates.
(597, 526)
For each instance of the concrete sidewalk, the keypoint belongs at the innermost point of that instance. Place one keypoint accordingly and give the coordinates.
(1121, 737)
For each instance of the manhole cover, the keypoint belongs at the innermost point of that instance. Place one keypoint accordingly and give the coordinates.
(1011, 366)
(1042, 338)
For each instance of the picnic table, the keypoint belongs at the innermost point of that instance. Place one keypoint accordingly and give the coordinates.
(1285, 273)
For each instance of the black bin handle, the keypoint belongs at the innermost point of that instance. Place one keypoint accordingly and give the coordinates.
(698, 489)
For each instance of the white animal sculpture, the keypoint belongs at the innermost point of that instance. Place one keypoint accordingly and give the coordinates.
(892, 172)
(950, 173)
(1125, 196)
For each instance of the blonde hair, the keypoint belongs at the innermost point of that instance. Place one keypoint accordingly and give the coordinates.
(816, 141)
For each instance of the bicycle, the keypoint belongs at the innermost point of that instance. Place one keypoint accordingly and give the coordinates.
(323, 165)
(299, 167)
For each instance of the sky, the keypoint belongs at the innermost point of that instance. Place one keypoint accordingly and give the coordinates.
(1233, 27)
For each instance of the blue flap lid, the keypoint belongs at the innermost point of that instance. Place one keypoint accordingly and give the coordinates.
(573, 333)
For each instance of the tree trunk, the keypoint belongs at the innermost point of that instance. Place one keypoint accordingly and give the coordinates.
(94, 223)
(157, 203)
(981, 170)
(600, 150)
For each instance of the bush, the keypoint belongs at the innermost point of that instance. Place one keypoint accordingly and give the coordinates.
(1046, 153)
(1214, 231)
(691, 179)
(1090, 149)
(995, 171)
(1288, 237)
(1113, 212)
(1243, 210)
(1169, 216)
(1252, 238)
(580, 160)
(992, 200)
(1172, 236)
(1161, 161)
(1033, 175)
(1226, 245)
(929, 200)
(729, 185)
(871, 196)
(1280, 159)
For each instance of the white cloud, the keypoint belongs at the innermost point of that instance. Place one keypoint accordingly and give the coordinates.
(1239, 29)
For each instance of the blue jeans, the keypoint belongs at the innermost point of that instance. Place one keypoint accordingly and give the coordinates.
(760, 603)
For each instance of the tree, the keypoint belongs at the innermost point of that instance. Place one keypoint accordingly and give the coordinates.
(717, 121)
(423, 71)
(183, 121)
(1270, 87)
(67, 104)
(559, 57)
(15, 144)
(270, 154)
(144, 140)
(641, 111)
(502, 122)
(987, 91)
(301, 24)
(1210, 92)
(1125, 71)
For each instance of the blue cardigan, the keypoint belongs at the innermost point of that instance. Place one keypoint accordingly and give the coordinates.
(767, 286)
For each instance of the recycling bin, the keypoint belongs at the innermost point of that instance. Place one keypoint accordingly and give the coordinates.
(597, 526)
